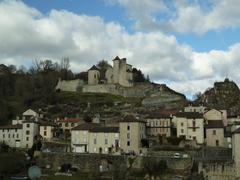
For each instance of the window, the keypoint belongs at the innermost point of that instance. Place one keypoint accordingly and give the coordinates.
(128, 143)
(194, 123)
(95, 149)
(165, 123)
(85, 132)
(95, 134)
(194, 138)
(217, 142)
(66, 124)
(27, 132)
(84, 139)
(77, 132)
(72, 124)
(128, 135)
(106, 141)
(27, 138)
(28, 125)
(13, 135)
(106, 149)
(94, 141)
(106, 134)
(8, 135)
(3, 135)
(182, 131)
(181, 124)
(3, 130)
(194, 129)
(116, 135)
(60, 124)
(128, 127)
(151, 123)
(17, 135)
(45, 133)
(15, 130)
(214, 132)
(229, 139)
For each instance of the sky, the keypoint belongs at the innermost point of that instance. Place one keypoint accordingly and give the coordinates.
(186, 44)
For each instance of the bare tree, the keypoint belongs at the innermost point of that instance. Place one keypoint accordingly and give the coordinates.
(103, 67)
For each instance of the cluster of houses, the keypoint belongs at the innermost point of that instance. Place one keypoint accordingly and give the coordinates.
(195, 123)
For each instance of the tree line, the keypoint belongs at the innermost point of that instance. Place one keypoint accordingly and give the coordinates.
(35, 87)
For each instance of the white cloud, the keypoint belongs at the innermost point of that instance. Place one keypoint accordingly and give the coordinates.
(183, 16)
(26, 34)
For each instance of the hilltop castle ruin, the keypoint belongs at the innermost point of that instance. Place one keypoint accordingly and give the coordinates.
(120, 73)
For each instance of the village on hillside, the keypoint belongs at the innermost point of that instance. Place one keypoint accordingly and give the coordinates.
(176, 135)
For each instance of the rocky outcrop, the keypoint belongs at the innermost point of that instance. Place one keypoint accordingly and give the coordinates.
(224, 95)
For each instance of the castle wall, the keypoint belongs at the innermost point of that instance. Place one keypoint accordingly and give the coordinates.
(72, 85)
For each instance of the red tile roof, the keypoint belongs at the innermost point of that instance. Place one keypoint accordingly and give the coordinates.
(70, 120)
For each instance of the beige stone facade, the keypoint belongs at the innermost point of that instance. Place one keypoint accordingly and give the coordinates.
(65, 125)
(158, 124)
(190, 125)
(29, 131)
(195, 107)
(132, 134)
(94, 138)
(236, 150)
(214, 133)
(48, 131)
(11, 135)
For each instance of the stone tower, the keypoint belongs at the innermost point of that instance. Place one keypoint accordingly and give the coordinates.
(93, 75)
(122, 72)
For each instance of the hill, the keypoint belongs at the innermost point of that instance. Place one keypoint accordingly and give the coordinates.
(225, 95)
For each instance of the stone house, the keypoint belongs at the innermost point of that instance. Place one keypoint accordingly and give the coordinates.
(195, 107)
(11, 135)
(132, 134)
(190, 125)
(215, 121)
(27, 115)
(104, 140)
(34, 113)
(214, 133)
(65, 125)
(158, 124)
(48, 131)
(95, 138)
(30, 131)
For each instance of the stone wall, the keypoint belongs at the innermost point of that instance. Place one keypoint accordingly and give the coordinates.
(217, 171)
(217, 152)
(91, 162)
(73, 85)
